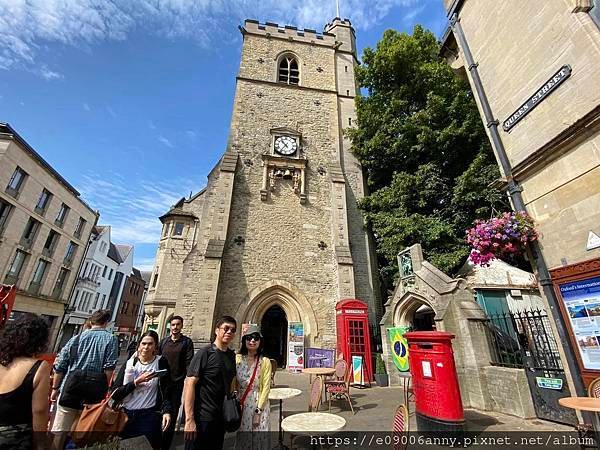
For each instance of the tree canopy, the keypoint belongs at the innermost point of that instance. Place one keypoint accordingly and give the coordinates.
(420, 139)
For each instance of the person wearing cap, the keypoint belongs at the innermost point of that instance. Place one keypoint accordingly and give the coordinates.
(254, 379)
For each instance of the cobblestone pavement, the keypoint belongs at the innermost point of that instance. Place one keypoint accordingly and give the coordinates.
(374, 409)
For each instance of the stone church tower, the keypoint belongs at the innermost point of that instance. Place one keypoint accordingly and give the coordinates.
(276, 235)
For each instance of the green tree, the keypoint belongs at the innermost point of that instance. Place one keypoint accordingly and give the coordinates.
(421, 142)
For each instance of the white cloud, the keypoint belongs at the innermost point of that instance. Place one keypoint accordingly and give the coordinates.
(144, 264)
(86, 107)
(132, 209)
(24, 25)
(111, 112)
(163, 140)
(50, 74)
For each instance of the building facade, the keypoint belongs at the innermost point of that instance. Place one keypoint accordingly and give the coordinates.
(537, 67)
(44, 230)
(129, 309)
(99, 281)
(276, 236)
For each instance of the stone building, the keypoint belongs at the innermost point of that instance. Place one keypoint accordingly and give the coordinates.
(276, 236)
(533, 67)
(44, 230)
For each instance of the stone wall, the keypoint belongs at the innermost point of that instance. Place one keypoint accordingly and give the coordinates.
(501, 381)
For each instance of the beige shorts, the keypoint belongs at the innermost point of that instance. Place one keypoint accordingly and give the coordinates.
(64, 419)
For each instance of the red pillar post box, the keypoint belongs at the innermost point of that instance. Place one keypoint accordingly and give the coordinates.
(353, 335)
(435, 384)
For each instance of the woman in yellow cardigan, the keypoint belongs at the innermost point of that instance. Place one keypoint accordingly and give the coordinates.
(254, 380)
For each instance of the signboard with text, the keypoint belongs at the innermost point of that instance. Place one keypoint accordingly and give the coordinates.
(582, 304)
(295, 347)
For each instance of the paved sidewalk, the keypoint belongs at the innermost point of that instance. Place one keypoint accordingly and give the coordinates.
(374, 409)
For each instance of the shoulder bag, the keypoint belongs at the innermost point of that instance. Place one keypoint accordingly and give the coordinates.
(98, 423)
(232, 411)
(81, 386)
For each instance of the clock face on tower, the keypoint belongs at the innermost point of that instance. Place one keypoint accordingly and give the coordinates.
(285, 145)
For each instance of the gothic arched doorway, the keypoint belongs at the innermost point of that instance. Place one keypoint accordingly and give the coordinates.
(415, 313)
(274, 327)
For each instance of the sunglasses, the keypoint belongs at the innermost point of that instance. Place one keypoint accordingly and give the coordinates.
(227, 329)
(253, 337)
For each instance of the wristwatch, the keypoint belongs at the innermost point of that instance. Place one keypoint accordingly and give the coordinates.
(257, 411)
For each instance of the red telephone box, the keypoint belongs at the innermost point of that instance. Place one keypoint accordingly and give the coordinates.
(353, 334)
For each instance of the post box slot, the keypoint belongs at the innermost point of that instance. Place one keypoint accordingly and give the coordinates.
(425, 345)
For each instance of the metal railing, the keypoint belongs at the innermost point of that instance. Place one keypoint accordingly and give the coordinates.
(513, 336)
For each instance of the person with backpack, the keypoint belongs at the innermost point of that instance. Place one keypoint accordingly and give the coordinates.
(143, 387)
(207, 387)
(81, 374)
(179, 351)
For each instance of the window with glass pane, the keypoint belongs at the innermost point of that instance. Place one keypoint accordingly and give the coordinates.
(16, 181)
(16, 265)
(61, 281)
(595, 11)
(178, 229)
(5, 209)
(30, 232)
(50, 243)
(80, 227)
(62, 214)
(43, 202)
(288, 70)
(38, 276)
(71, 249)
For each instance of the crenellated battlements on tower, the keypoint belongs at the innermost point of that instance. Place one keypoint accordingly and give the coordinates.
(288, 32)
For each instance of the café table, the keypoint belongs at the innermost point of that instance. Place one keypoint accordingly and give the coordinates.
(590, 404)
(325, 371)
(282, 394)
(313, 423)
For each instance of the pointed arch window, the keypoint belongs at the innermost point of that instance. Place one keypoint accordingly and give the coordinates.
(288, 71)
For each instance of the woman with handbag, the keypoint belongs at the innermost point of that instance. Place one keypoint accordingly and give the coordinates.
(254, 379)
(24, 384)
(143, 387)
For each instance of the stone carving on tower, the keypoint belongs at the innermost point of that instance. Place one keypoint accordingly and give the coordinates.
(276, 234)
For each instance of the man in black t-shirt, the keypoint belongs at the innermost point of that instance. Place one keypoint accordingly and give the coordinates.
(209, 375)
(178, 350)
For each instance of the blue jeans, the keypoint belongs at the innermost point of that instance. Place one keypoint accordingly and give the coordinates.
(144, 422)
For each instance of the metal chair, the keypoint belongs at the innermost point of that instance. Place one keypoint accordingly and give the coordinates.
(273, 370)
(340, 386)
(400, 427)
(316, 390)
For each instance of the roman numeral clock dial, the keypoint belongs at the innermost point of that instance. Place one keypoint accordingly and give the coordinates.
(286, 145)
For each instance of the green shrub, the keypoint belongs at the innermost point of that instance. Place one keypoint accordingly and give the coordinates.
(379, 364)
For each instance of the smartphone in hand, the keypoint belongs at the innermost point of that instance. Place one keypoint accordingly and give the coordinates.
(160, 372)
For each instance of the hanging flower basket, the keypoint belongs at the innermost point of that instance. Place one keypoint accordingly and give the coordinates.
(501, 237)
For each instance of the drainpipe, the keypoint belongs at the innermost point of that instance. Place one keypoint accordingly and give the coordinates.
(514, 191)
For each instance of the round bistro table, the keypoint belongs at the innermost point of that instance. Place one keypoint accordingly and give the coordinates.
(311, 423)
(326, 371)
(581, 403)
(282, 394)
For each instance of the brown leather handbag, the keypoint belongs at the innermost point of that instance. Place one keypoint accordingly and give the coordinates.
(98, 423)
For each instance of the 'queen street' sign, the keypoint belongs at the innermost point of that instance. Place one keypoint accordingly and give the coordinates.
(535, 99)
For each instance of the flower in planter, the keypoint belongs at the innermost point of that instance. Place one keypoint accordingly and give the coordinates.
(500, 237)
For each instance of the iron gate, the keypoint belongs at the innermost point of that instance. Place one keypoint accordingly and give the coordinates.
(524, 339)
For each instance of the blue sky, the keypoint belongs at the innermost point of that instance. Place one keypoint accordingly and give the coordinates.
(130, 100)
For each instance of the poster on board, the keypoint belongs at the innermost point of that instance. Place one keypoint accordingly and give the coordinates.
(582, 303)
(358, 371)
(295, 346)
(320, 357)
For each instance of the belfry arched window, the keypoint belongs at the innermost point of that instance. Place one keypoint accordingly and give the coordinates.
(288, 71)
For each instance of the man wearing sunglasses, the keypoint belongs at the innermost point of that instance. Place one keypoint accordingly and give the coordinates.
(210, 373)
